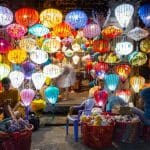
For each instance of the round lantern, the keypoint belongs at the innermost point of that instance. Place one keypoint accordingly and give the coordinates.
(50, 17)
(38, 30)
(88, 65)
(112, 58)
(59, 56)
(137, 58)
(145, 45)
(17, 56)
(75, 59)
(75, 47)
(137, 82)
(16, 77)
(0, 58)
(39, 56)
(144, 13)
(6, 16)
(76, 18)
(4, 70)
(91, 30)
(69, 53)
(4, 46)
(123, 70)
(124, 13)
(26, 16)
(16, 30)
(101, 46)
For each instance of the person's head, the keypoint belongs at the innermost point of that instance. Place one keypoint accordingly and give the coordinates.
(145, 94)
(6, 83)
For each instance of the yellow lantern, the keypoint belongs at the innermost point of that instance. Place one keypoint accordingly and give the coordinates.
(17, 56)
(0, 58)
(145, 45)
(4, 70)
(137, 82)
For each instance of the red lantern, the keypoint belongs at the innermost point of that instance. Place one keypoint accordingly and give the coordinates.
(26, 16)
(88, 65)
(101, 46)
(59, 56)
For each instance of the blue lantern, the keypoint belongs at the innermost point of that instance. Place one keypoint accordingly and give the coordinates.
(51, 93)
(144, 13)
(112, 81)
(38, 30)
(77, 19)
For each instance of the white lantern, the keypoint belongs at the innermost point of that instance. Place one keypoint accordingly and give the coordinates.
(16, 77)
(75, 59)
(38, 79)
(124, 13)
(68, 53)
(75, 47)
(4, 71)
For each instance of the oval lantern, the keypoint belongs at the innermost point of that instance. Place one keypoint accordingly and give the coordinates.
(88, 65)
(59, 56)
(137, 83)
(4, 46)
(0, 58)
(75, 47)
(50, 17)
(145, 45)
(26, 16)
(69, 53)
(4, 70)
(6, 16)
(51, 93)
(75, 59)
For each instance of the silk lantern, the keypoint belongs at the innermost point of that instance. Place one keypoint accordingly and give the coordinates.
(75, 47)
(59, 55)
(51, 93)
(69, 53)
(16, 77)
(88, 65)
(4, 46)
(137, 82)
(124, 13)
(50, 17)
(0, 58)
(26, 16)
(145, 45)
(6, 16)
(4, 70)
(75, 59)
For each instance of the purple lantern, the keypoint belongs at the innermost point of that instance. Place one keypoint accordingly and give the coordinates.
(4, 46)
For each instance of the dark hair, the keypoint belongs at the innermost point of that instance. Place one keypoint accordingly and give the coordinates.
(6, 81)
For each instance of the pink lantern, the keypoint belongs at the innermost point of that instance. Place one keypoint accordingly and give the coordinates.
(4, 46)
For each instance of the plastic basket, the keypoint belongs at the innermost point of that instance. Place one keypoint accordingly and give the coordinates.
(97, 136)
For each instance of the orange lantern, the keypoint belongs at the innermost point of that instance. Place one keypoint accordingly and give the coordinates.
(101, 46)
(123, 70)
(88, 65)
(26, 16)
(59, 56)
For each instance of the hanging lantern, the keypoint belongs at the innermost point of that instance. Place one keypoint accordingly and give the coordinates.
(123, 70)
(137, 58)
(59, 56)
(16, 30)
(112, 58)
(16, 77)
(0, 58)
(124, 48)
(145, 45)
(75, 59)
(76, 18)
(4, 70)
(124, 13)
(111, 32)
(69, 53)
(6, 16)
(144, 13)
(4, 46)
(124, 94)
(51, 93)
(137, 34)
(26, 16)
(111, 81)
(50, 17)
(91, 30)
(101, 46)
(137, 82)
(38, 79)
(75, 47)
(88, 65)
(51, 45)
(17, 56)
(38, 30)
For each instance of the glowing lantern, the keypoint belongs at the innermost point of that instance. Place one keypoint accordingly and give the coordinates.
(123, 70)
(6, 16)
(137, 33)
(124, 48)
(137, 82)
(4, 46)
(50, 17)
(76, 18)
(124, 13)
(112, 81)
(59, 56)
(69, 53)
(16, 30)
(91, 30)
(38, 56)
(62, 30)
(38, 30)
(51, 93)
(124, 94)
(111, 32)
(145, 45)
(112, 58)
(137, 58)
(4, 70)
(144, 13)
(101, 46)
(38, 79)
(16, 78)
(75, 47)
(26, 16)
(88, 65)
(0, 58)
(52, 71)
(17, 56)
(75, 59)
(51, 45)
